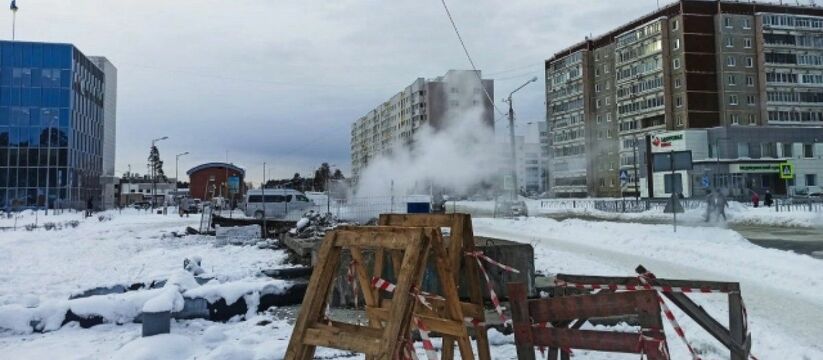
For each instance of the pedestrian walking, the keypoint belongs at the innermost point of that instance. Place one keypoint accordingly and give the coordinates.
(183, 207)
(768, 200)
(720, 205)
(89, 206)
(755, 199)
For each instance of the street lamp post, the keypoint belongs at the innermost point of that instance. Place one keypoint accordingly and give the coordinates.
(154, 174)
(717, 160)
(511, 137)
(176, 167)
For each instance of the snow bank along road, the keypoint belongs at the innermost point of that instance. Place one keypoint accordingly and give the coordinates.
(782, 290)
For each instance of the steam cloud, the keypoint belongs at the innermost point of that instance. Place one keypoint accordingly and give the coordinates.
(457, 157)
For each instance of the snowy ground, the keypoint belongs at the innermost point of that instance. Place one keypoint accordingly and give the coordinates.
(736, 213)
(781, 289)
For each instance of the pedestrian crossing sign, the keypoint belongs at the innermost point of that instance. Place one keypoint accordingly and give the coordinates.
(786, 171)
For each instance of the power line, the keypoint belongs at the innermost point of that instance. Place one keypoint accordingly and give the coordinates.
(466, 50)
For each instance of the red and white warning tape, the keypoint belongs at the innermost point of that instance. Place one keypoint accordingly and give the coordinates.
(644, 286)
(661, 343)
(431, 354)
(478, 255)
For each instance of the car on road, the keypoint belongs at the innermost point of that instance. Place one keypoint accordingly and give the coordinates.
(274, 203)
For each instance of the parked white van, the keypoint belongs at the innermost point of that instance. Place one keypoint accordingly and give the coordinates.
(275, 203)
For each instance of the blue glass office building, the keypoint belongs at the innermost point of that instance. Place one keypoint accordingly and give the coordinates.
(51, 125)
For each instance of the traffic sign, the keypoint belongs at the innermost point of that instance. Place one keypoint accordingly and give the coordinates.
(705, 181)
(624, 176)
(786, 171)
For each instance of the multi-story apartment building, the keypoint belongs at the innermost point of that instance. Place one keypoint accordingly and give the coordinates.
(109, 181)
(426, 102)
(51, 125)
(691, 64)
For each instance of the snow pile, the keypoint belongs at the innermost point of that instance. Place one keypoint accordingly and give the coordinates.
(314, 225)
(238, 235)
(129, 249)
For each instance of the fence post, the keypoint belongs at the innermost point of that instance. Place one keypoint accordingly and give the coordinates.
(574, 204)
(521, 321)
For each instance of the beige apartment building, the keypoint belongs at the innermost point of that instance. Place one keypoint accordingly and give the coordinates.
(426, 102)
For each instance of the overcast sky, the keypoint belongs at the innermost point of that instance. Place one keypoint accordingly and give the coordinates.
(282, 81)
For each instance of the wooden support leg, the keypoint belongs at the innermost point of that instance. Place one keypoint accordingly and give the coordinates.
(521, 321)
(475, 289)
(737, 327)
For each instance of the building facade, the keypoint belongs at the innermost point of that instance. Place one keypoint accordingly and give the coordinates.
(426, 102)
(109, 181)
(741, 159)
(51, 126)
(690, 65)
(217, 179)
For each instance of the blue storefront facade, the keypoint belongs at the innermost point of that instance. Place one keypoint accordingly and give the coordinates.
(51, 126)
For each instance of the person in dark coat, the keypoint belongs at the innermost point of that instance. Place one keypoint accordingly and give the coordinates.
(755, 199)
(768, 201)
(89, 206)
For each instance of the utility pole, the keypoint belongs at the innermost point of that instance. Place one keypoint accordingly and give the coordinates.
(511, 138)
(13, 9)
(177, 168)
(263, 198)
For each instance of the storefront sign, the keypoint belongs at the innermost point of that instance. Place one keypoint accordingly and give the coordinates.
(665, 141)
(755, 168)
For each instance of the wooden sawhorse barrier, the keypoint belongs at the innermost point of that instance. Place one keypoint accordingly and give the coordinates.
(543, 323)
(411, 246)
(461, 241)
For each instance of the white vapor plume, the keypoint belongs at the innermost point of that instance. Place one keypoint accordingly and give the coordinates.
(456, 157)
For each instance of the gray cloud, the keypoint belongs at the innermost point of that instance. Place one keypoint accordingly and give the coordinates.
(281, 81)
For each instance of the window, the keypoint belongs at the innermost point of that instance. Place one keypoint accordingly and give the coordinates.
(750, 99)
(727, 22)
(598, 103)
(747, 43)
(732, 80)
(597, 72)
(675, 24)
(679, 118)
(731, 61)
(747, 24)
(734, 119)
(677, 83)
(608, 101)
(732, 99)
(749, 62)
(678, 101)
(787, 150)
(811, 179)
(676, 44)
(768, 150)
(749, 80)
(676, 63)
(729, 42)
(608, 117)
(808, 151)
(597, 88)
(751, 119)
(599, 119)
(608, 84)
(742, 150)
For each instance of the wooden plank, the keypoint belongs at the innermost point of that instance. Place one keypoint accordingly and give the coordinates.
(586, 339)
(402, 306)
(521, 321)
(362, 276)
(702, 318)
(618, 280)
(349, 239)
(449, 288)
(326, 336)
(473, 281)
(433, 322)
(588, 306)
(316, 295)
(417, 220)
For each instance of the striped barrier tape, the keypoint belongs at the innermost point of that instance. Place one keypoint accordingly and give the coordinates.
(644, 286)
(478, 255)
(431, 354)
(670, 316)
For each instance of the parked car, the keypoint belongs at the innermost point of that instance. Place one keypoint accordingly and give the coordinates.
(274, 203)
(507, 207)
